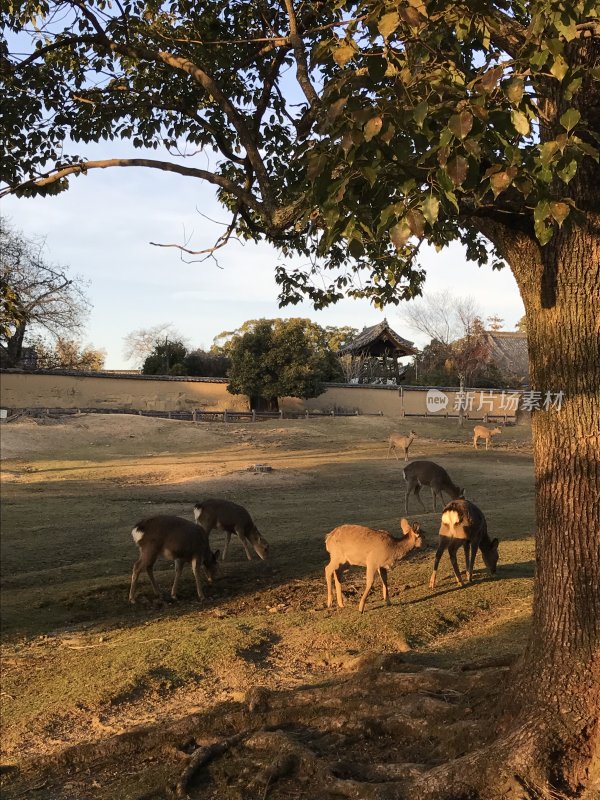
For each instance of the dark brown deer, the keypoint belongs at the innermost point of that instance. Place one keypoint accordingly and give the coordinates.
(178, 540)
(378, 551)
(427, 473)
(464, 525)
(231, 518)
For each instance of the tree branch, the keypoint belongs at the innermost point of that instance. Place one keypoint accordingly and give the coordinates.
(301, 60)
(191, 172)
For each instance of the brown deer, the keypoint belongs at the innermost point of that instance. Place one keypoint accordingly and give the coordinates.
(481, 432)
(178, 540)
(399, 442)
(427, 473)
(464, 525)
(231, 518)
(378, 551)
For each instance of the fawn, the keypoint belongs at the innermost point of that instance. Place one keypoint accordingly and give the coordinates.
(464, 525)
(378, 551)
(427, 473)
(399, 442)
(178, 540)
(481, 432)
(231, 518)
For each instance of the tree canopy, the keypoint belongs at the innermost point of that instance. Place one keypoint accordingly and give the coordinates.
(67, 354)
(478, 114)
(274, 358)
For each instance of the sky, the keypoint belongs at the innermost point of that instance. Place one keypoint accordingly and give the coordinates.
(101, 228)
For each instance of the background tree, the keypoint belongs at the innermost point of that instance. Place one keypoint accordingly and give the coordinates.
(204, 364)
(36, 296)
(420, 122)
(167, 358)
(68, 354)
(522, 324)
(275, 358)
(139, 344)
(495, 323)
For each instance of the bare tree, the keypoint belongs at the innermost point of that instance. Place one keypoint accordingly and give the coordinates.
(139, 344)
(68, 354)
(43, 296)
(441, 316)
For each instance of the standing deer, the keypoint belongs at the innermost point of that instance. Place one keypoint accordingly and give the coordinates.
(399, 442)
(427, 473)
(378, 551)
(231, 518)
(178, 540)
(464, 525)
(481, 432)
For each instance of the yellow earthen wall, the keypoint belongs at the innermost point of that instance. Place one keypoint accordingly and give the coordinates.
(18, 390)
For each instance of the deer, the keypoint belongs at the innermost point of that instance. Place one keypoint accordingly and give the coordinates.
(464, 525)
(481, 432)
(399, 442)
(178, 540)
(427, 473)
(377, 550)
(231, 518)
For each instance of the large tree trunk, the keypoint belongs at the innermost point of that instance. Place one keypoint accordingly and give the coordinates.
(557, 698)
(14, 346)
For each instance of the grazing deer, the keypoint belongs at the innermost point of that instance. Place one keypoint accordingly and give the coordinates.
(464, 525)
(481, 432)
(231, 518)
(178, 540)
(399, 442)
(378, 551)
(427, 473)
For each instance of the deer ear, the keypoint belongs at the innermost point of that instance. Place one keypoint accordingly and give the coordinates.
(405, 525)
(416, 528)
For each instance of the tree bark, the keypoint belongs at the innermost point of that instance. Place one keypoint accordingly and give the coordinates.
(14, 346)
(557, 684)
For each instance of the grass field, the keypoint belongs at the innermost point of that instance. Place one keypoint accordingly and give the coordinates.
(80, 664)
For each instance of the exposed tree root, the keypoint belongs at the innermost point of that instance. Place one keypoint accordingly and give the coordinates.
(395, 730)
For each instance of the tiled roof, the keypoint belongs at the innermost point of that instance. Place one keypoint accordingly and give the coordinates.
(381, 332)
(509, 352)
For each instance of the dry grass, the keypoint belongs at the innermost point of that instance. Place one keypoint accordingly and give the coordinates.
(80, 664)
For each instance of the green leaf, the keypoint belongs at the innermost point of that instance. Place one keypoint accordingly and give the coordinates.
(570, 118)
(400, 234)
(567, 172)
(372, 128)
(343, 54)
(560, 68)
(500, 181)
(520, 122)
(431, 209)
(461, 124)
(560, 211)
(388, 24)
(548, 151)
(457, 170)
(543, 232)
(335, 109)
(420, 112)
(514, 90)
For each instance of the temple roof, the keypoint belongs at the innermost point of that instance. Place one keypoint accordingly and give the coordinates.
(377, 339)
(509, 352)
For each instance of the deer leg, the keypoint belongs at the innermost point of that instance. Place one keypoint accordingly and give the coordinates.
(434, 497)
(226, 548)
(438, 554)
(178, 569)
(386, 594)
(487, 441)
(137, 568)
(406, 453)
(244, 541)
(196, 571)
(337, 577)
(328, 583)
(149, 570)
(370, 579)
(472, 562)
(417, 493)
(475, 442)
(452, 550)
